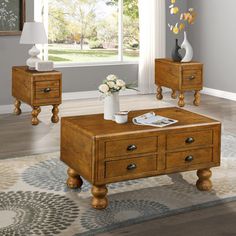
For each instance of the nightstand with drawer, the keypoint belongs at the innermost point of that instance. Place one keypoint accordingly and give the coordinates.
(104, 152)
(179, 77)
(36, 89)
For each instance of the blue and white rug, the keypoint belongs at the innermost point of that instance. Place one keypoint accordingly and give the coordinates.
(34, 199)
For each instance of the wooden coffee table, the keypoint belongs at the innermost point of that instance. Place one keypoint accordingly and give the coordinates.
(104, 152)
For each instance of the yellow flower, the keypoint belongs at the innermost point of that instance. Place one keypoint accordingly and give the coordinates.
(176, 30)
(174, 10)
(186, 16)
(192, 19)
(181, 26)
(189, 16)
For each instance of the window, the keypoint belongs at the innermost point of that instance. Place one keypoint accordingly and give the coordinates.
(90, 31)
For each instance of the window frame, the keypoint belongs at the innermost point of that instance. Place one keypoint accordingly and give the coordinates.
(42, 16)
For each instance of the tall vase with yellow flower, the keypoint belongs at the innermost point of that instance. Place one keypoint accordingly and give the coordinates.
(184, 18)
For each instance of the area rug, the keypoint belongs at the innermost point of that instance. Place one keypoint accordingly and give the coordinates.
(34, 199)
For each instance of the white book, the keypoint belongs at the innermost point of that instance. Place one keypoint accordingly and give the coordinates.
(151, 119)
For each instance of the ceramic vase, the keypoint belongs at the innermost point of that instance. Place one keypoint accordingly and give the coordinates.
(111, 106)
(188, 49)
(175, 52)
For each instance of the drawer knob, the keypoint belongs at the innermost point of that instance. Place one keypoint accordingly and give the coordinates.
(47, 90)
(131, 147)
(189, 158)
(189, 140)
(131, 166)
(192, 77)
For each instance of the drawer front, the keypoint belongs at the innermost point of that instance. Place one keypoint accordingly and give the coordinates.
(131, 146)
(47, 89)
(130, 167)
(188, 158)
(192, 78)
(189, 139)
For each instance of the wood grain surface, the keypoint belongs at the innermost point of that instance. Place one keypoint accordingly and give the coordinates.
(36, 89)
(180, 77)
(105, 152)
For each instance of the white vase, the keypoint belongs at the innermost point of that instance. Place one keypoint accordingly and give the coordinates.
(111, 106)
(188, 49)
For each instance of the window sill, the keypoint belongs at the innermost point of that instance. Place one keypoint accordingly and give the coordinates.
(113, 63)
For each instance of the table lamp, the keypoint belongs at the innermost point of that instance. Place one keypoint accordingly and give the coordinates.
(33, 33)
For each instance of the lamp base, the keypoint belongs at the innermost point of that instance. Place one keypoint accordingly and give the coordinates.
(31, 62)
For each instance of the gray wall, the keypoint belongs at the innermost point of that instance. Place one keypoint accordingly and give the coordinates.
(88, 78)
(214, 41)
(12, 53)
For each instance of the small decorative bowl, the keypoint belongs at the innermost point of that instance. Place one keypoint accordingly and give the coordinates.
(121, 117)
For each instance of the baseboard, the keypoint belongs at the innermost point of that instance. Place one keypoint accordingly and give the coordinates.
(219, 93)
(92, 94)
(6, 109)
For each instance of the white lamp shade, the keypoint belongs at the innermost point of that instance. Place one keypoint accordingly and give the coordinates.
(33, 33)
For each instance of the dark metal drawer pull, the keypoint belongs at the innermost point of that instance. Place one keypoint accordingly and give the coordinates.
(189, 140)
(189, 158)
(192, 77)
(131, 166)
(131, 147)
(47, 90)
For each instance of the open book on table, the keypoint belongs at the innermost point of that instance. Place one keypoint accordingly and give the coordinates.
(151, 119)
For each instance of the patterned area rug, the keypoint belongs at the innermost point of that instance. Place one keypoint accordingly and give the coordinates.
(34, 199)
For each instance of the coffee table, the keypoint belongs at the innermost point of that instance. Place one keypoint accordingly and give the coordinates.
(104, 152)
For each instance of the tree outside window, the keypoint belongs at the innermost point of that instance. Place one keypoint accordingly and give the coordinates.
(88, 30)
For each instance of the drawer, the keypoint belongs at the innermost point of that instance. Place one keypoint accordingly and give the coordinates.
(131, 166)
(190, 157)
(131, 146)
(189, 139)
(47, 89)
(192, 78)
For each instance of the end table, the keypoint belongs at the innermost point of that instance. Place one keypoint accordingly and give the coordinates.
(180, 77)
(36, 89)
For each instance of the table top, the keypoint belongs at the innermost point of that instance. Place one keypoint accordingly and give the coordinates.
(25, 69)
(170, 61)
(95, 125)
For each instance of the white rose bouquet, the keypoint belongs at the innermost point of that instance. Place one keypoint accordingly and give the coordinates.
(113, 84)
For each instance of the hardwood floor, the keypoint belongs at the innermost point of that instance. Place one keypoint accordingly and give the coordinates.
(19, 138)
(212, 221)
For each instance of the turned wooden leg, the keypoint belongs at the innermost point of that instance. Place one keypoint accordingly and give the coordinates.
(173, 94)
(74, 180)
(55, 111)
(197, 99)
(204, 182)
(99, 200)
(36, 110)
(159, 93)
(17, 109)
(181, 102)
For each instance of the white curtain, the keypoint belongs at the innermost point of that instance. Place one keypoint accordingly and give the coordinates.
(152, 41)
